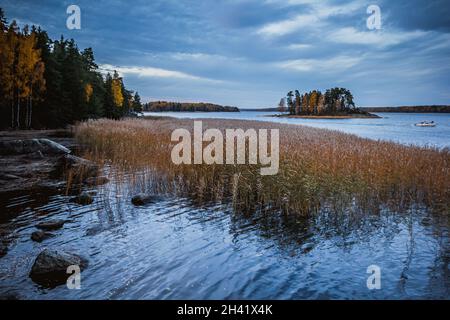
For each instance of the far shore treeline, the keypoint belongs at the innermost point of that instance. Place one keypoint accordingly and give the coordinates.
(47, 83)
(335, 101)
(162, 106)
(410, 109)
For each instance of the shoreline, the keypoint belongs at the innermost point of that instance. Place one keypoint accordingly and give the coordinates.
(350, 116)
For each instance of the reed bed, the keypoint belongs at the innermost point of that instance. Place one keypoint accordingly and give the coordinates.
(318, 168)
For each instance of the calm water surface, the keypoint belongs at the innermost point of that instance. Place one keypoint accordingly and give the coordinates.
(398, 127)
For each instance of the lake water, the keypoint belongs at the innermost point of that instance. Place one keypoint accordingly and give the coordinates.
(177, 250)
(398, 127)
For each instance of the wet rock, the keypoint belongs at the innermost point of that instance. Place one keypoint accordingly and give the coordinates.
(79, 167)
(32, 146)
(50, 185)
(51, 225)
(40, 236)
(96, 181)
(143, 199)
(50, 267)
(83, 199)
(36, 155)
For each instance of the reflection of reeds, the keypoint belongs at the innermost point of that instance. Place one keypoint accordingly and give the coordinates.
(317, 167)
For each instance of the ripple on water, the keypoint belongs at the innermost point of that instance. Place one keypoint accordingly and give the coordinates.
(175, 249)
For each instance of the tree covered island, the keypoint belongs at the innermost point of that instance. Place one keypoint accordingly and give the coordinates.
(334, 103)
(165, 106)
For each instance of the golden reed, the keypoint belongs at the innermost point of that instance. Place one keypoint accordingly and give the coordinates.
(318, 168)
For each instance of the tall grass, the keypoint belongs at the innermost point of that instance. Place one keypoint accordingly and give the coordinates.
(318, 168)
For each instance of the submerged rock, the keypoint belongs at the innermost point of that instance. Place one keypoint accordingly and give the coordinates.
(51, 225)
(83, 199)
(40, 236)
(143, 199)
(50, 267)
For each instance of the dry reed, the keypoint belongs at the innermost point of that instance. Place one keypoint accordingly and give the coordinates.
(317, 167)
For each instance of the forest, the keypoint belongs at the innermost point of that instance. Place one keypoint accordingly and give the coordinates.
(335, 101)
(47, 83)
(161, 106)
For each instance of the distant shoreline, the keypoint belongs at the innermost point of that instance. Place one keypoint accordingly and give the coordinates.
(410, 109)
(349, 116)
(169, 106)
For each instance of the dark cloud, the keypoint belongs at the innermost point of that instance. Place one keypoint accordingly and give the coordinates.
(219, 48)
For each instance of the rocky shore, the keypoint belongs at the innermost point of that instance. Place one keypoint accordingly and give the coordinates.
(36, 161)
(40, 160)
(44, 160)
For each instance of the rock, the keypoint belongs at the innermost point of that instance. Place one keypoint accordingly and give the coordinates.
(51, 225)
(50, 185)
(83, 199)
(96, 181)
(32, 146)
(80, 167)
(36, 155)
(40, 236)
(50, 267)
(143, 199)
(52, 148)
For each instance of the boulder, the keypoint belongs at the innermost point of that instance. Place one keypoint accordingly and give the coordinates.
(40, 236)
(144, 199)
(83, 199)
(32, 146)
(50, 267)
(51, 225)
(79, 166)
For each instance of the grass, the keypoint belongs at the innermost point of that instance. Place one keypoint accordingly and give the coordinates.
(318, 168)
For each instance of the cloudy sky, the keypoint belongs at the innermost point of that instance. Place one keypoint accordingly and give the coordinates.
(249, 53)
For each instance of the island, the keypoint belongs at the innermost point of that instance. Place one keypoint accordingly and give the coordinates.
(334, 103)
(165, 106)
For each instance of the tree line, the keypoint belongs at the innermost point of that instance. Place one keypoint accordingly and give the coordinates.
(47, 83)
(161, 106)
(412, 109)
(333, 101)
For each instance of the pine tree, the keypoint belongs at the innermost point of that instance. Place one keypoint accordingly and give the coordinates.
(298, 102)
(282, 105)
(137, 105)
(290, 103)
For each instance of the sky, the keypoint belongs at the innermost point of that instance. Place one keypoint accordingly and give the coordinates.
(250, 53)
